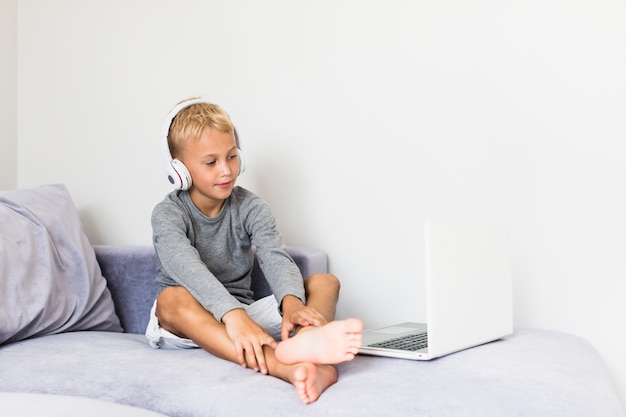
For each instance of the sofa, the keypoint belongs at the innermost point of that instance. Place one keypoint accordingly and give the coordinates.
(72, 318)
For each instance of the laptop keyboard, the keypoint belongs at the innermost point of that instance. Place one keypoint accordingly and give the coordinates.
(409, 342)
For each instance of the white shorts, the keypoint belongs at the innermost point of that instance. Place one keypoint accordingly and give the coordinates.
(264, 312)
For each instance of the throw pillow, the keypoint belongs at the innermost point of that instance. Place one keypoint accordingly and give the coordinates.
(50, 281)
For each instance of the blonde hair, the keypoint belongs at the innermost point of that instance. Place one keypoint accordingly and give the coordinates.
(191, 121)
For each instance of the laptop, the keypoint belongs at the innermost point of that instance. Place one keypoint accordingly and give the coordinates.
(469, 300)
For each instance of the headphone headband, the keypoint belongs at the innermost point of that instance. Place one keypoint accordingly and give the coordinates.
(177, 109)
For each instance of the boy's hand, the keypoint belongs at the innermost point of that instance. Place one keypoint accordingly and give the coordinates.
(248, 338)
(297, 314)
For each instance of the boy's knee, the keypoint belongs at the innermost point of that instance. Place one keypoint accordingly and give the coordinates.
(170, 301)
(325, 281)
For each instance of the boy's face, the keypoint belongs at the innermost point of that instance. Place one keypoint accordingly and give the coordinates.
(213, 162)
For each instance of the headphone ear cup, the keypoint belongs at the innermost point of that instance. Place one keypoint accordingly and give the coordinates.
(242, 161)
(179, 175)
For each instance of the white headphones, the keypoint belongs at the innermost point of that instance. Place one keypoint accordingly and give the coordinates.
(177, 173)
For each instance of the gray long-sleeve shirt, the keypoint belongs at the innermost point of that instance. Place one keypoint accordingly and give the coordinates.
(212, 256)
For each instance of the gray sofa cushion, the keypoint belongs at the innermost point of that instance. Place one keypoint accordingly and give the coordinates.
(50, 281)
(21, 404)
(531, 373)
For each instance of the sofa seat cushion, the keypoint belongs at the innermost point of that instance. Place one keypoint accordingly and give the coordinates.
(532, 373)
(20, 404)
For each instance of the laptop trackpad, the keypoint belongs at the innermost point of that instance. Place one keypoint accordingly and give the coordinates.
(393, 330)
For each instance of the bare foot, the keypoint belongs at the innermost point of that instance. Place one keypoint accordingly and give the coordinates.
(311, 380)
(335, 342)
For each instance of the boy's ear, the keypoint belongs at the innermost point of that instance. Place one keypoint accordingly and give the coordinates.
(177, 173)
(242, 161)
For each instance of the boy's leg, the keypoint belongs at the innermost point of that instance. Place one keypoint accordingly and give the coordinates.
(322, 293)
(182, 315)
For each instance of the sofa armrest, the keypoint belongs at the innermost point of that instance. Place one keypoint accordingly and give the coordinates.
(309, 260)
(130, 273)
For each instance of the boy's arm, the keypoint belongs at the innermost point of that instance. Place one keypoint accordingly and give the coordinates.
(248, 338)
(280, 270)
(181, 262)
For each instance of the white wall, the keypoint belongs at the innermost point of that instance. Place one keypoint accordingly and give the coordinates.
(8, 94)
(360, 120)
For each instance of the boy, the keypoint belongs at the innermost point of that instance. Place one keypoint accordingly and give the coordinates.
(203, 234)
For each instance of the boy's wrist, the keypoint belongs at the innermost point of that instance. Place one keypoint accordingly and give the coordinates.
(234, 314)
(290, 303)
